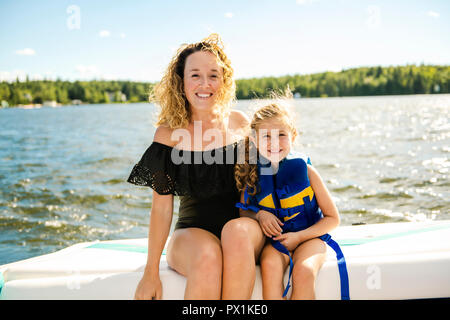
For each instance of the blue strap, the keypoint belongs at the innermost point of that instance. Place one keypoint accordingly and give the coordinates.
(342, 266)
(283, 191)
(287, 212)
(246, 195)
(245, 206)
(277, 245)
(288, 286)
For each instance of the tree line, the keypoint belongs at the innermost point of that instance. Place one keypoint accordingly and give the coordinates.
(66, 92)
(363, 81)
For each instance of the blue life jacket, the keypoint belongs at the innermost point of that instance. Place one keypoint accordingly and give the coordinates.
(288, 195)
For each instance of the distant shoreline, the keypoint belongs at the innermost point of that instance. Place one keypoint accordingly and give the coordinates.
(363, 81)
(39, 106)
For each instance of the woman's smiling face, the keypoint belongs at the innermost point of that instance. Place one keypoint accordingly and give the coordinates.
(203, 78)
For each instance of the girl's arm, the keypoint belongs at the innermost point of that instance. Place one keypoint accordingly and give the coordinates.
(270, 224)
(160, 220)
(330, 212)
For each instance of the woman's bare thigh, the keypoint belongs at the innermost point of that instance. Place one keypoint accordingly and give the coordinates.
(189, 245)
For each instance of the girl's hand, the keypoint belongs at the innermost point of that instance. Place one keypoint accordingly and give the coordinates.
(270, 224)
(290, 240)
(149, 288)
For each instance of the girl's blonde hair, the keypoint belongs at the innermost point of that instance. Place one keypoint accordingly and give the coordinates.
(246, 173)
(169, 92)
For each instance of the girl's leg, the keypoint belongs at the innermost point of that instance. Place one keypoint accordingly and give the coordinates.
(308, 259)
(196, 254)
(242, 241)
(273, 265)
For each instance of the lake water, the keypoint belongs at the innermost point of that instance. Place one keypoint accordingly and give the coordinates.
(63, 170)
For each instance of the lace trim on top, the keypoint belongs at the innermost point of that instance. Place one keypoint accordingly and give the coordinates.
(168, 170)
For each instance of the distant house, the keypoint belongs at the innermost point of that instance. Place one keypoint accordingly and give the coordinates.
(52, 103)
(117, 96)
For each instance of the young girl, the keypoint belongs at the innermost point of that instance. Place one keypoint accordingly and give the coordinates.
(288, 198)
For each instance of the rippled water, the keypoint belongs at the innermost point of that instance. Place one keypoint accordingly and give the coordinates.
(63, 170)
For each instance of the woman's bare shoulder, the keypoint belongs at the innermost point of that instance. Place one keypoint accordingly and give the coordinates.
(238, 120)
(163, 135)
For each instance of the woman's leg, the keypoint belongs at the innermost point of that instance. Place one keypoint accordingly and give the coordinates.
(196, 254)
(308, 259)
(242, 241)
(273, 266)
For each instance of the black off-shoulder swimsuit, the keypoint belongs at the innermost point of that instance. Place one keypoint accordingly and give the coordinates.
(204, 180)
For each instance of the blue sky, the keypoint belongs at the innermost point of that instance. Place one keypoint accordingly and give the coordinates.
(134, 40)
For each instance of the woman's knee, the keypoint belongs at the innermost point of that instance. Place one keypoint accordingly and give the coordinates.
(242, 234)
(235, 227)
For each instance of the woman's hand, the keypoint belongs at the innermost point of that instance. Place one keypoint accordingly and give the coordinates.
(149, 288)
(270, 224)
(290, 240)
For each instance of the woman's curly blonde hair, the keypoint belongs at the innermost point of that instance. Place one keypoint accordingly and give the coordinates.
(246, 173)
(169, 92)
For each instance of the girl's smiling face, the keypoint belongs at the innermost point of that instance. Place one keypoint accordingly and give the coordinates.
(274, 139)
(203, 78)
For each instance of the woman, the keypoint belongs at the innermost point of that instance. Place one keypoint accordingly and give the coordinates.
(196, 125)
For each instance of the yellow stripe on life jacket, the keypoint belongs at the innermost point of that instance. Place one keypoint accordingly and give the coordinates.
(297, 199)
(293, 216)
(267, 202)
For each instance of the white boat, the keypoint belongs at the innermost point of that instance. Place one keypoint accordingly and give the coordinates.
(407, 260)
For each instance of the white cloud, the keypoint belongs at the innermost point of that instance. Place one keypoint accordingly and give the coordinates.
(228, 15)
(6, 76)
(433, 14)
(26, 52)
(122, 35)
(104, 33)
(10, 76)
(36, 76)
(89, 71)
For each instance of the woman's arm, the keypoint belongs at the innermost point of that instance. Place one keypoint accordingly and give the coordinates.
(160, 220)
(150, 286)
